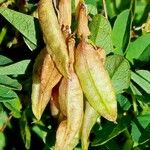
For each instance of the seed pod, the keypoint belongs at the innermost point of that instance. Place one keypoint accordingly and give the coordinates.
(89, 119)
(95, 81)
(65, 13)
(60, 135)
(53, 36)
(102, 55)
(54, 106)
(71, 93)
(45, 77)
(83, 30)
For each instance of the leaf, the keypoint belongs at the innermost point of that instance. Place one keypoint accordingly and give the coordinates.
(121, 31)
(144, 74)
(101, 33)
(134, 89)
(144, 84)
(91, 9)
(4, 60)
(40, 132)
(16, 68)
(110, 130)
(15, 107)
(2, 141)
(137, 48)
(119, 71)
(110, 8)
(3, 116)
(7, 94)
(145, 56)
(30, 45)
(140, 128)
(25, 131)
(124, 102)
(25, 24)
(10, 83)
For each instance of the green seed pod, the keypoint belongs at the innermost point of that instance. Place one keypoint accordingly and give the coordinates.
(89, 119)
(45, 77)
(53, 36)
(95, 81)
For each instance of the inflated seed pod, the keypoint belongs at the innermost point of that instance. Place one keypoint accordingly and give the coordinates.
(45, 77)
(54, 105)
(89, 119)
(102, 55)
(71, 93)
(82, 30)
(60, 135)
(95, 81)
(71, 98)
(65, 13)
(53, 36)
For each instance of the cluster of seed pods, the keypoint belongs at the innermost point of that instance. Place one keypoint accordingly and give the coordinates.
(70, 75)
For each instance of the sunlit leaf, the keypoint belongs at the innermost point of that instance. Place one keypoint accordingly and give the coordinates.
(101, 33)
(119, 70)
(138, 48)
(121, 31)
(25, 24)
(9, 82)
(16, 68)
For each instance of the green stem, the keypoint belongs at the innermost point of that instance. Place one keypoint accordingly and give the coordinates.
(134, 104)
(2, 34)
(129, 142)
(105, 9)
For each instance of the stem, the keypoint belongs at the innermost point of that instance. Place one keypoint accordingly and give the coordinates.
(2, 34)
(129, 142)
(6, 123)
(134, 104)
(105, 9)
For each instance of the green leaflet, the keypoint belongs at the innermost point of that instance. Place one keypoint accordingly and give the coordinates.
(139, 49)
(16, 68)
(142, 82)
(25, 24)
(101, 33)
(121, 31)
(119, 71)
(9, 82)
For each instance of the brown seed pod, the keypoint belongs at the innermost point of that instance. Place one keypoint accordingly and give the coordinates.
(54, 105)
(95, 81)
(83, 30)
(71, 94)
(65, 13)
(53, 36)
(71, 98)
(60, 135)
(45, 77)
